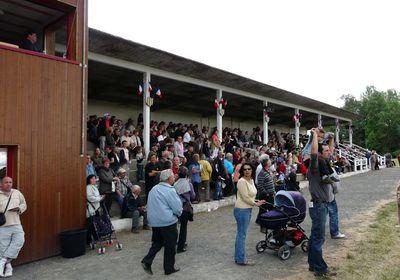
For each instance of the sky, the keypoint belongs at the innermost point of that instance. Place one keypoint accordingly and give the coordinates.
(319, 49)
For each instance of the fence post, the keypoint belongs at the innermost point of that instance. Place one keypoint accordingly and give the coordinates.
(398, 204)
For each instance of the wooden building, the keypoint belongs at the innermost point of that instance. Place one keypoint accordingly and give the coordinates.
(42, 112)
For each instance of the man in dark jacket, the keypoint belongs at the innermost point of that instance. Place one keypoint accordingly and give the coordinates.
(106, 179)
(134, 205)
(30, 42)
(218, 175)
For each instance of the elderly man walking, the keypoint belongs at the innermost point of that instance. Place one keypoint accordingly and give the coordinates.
(12, 204)
(163, 209)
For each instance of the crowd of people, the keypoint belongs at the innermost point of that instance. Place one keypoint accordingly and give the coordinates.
(197, 166)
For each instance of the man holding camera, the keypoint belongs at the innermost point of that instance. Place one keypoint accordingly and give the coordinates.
(321, 196)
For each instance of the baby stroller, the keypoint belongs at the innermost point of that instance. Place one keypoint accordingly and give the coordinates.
(283, 225)
(103, 230)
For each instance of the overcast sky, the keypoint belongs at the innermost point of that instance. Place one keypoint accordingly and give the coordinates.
(319, 49)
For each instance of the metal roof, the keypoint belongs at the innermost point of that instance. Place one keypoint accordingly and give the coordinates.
(123, 49)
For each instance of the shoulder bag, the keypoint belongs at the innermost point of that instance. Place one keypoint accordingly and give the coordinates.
(2, 215)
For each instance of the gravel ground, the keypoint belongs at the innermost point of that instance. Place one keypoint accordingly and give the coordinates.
(211, 243)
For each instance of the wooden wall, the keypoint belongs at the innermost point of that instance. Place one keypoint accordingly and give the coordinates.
(40, 111)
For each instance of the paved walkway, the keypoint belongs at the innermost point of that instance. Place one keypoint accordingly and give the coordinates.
(211, 243)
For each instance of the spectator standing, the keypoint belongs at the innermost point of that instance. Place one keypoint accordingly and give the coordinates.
(195, 170)
(139, 163)
(93, 199)
(228, 164)
(163, 209)
(206, 171)
(178, 147)
(321, 196)
(107, 181)
(218, 175)
(151, 170)
(97, 159)
(265, 186)
(243, 207)
(12, 203)
(186, 193)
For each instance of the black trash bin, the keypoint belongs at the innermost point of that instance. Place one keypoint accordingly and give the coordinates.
(73, 243)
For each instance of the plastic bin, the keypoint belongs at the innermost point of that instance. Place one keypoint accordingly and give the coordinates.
(73, 243)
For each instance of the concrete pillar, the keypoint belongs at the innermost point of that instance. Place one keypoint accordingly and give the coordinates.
(220, 112)
(147, 102)
(350, 134)
(297, 128)
(337, 130)
(265, 123)
(319, 120)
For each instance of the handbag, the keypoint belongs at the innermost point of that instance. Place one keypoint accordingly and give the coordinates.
(187, 207)
(96, 211)
(2, 215)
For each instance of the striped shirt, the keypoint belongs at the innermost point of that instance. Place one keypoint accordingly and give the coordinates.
(265, 185)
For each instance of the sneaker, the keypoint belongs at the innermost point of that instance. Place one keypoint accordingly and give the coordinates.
(3, 262)
(339, 236)
(8, 271)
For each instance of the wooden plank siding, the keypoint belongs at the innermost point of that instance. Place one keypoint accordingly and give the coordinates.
(40, 111)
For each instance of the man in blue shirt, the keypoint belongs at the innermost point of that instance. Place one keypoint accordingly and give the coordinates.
(163, 209)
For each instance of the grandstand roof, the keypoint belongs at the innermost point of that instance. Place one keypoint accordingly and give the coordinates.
(115, 47)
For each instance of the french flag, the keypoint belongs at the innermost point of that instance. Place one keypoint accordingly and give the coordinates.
(150, 88)
(158, 93)
(140, 90)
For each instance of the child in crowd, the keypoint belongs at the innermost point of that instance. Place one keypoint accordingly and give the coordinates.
(325, 169)
(139, 161)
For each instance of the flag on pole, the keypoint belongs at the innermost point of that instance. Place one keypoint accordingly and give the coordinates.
(158, 93)
(140, 90)
(150, 88)
(216, 103)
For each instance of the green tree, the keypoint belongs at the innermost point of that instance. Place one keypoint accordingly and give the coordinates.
(379, 124)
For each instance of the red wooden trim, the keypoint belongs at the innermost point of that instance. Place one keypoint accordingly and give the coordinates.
(47, 56)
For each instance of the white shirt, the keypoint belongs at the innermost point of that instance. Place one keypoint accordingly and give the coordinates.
(186, 137)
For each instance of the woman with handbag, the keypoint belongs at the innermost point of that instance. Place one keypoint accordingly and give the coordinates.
(93, 199)
(186, 193)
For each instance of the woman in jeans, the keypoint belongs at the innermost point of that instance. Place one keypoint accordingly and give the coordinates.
(245, 202)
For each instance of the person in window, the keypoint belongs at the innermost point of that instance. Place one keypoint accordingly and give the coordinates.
(30, 42)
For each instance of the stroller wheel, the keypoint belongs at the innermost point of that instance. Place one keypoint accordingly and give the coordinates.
(118, 246)
(261, 246)
(284, 252)
(102, 250)
(304, 246)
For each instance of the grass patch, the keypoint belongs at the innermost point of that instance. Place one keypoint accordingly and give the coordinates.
(378, 256)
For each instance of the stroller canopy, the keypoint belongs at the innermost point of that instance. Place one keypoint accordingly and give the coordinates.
(289, 205)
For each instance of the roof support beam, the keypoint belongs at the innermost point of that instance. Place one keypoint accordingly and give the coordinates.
(154, 71)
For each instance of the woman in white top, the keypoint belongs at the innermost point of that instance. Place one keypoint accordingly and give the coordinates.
(93, 199)
(246, 194)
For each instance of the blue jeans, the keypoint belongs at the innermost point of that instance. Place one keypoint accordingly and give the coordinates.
(318, 215)
(242, 216)
(218, 191)
(139, 173)
(333, 218)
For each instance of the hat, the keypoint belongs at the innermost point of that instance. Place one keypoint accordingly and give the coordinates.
(106, 115)
(106, 160)
(121, 170)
